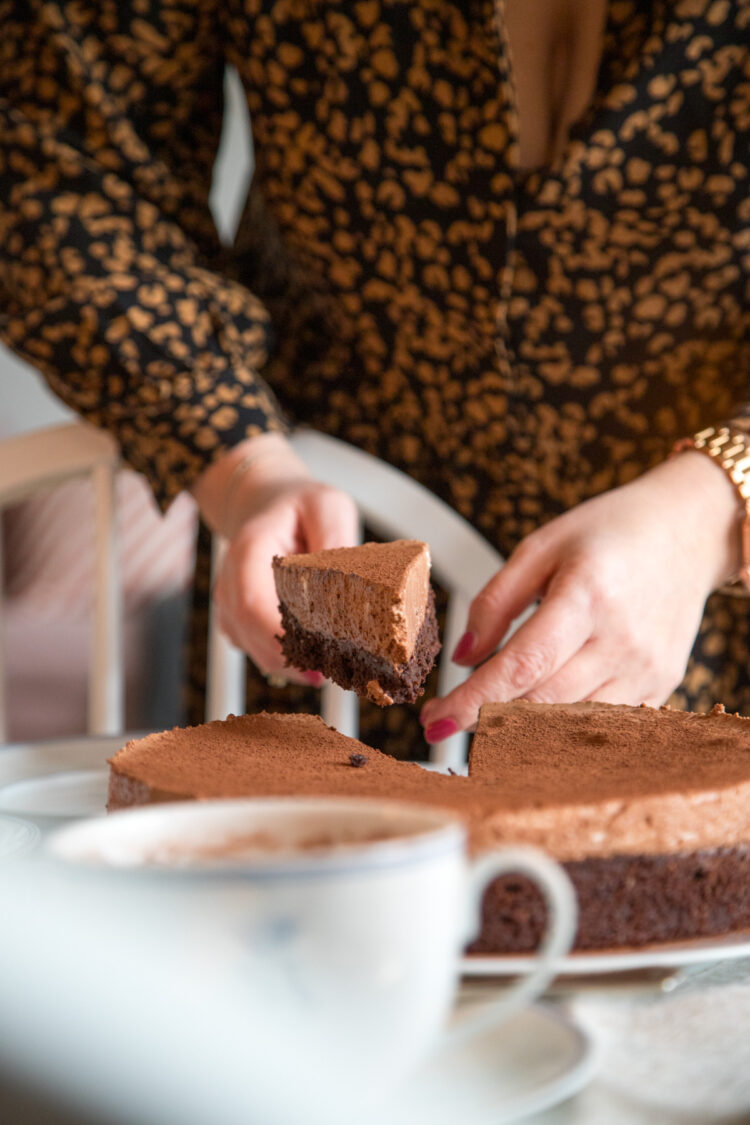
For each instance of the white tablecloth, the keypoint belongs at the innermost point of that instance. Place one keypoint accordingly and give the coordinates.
(680, 1057)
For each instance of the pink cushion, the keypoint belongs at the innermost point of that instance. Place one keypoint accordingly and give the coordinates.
(49, 547)
(46, 671)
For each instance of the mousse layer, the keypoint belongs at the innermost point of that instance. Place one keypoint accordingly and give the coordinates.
(592, 779)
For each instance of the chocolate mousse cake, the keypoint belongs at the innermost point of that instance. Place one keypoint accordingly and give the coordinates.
(648, 811)
(363, 616)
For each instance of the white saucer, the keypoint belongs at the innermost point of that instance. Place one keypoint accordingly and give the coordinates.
(533, 1061)
(65, 777)
(72, 793)
(17, 837)
(58, 778)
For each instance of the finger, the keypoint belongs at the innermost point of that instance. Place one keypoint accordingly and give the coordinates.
(520, 582)
(249, 607)
(269, 660)
(587, 670)
(330, 519)
(549, 639)
(270, 667)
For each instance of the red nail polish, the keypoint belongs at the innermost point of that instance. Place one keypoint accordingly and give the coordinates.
(315, 679)
(444, 728)
(464, 646)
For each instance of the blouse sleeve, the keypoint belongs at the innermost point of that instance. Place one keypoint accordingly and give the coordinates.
(103, 290)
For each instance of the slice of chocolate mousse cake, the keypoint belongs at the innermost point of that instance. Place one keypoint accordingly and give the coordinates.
(363, 616)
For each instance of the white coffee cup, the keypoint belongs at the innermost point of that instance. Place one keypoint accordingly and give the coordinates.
(350, 916)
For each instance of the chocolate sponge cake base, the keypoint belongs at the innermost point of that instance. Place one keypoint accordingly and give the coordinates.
(627, 901)
(356, 669)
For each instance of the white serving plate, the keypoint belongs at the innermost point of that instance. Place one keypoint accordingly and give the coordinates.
(17, 837)
(61, 778)
(669, 955)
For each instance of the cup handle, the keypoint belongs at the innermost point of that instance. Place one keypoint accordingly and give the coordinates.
(562, 915)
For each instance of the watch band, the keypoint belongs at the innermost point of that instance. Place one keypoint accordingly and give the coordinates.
(731, 450)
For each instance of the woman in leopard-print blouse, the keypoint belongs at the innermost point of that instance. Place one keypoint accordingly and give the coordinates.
(519, 341)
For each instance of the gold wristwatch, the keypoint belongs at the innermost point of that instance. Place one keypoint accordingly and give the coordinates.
(731, 450)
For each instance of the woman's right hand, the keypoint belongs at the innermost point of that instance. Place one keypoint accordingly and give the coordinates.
(261, 497)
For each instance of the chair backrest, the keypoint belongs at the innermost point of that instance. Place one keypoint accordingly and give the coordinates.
(42, 459)
(395, 507)
(391, 503)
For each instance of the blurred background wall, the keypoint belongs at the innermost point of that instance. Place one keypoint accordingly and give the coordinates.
(47, 543)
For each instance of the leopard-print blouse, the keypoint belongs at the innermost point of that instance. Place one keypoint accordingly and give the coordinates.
(516, 341)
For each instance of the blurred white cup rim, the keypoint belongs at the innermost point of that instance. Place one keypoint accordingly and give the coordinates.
(262, 837)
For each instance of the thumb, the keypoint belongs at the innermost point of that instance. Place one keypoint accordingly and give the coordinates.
(330, 519)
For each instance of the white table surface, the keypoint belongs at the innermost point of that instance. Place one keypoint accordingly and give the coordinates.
(666, 1058)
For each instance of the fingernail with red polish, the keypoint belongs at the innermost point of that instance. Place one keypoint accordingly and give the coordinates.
(444, 728)
(315, 679)
(464, 646)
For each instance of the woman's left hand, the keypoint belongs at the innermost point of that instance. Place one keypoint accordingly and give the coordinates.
(622, 579)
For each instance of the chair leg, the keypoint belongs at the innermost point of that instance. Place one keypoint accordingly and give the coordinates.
(226, 664)
(452, 752)
(226, 679)
(106, 681)
(340, 709)
(3, 699)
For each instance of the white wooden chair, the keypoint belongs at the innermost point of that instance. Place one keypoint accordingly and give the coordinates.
(391, 503)
(395, 507)
(35, 461)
